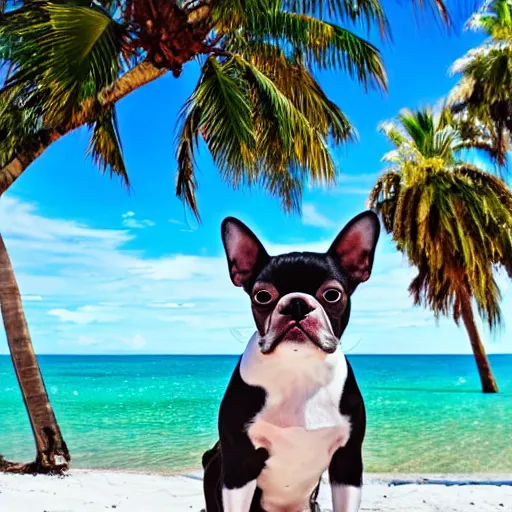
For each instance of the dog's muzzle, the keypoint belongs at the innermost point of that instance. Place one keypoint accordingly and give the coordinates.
(299, 318)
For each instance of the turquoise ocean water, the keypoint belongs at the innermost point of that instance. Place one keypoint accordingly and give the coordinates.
(158, 413)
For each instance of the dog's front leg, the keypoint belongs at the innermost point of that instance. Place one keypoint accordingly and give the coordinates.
(345, 474)
(345, 498)
(239, 480)
(238, 499)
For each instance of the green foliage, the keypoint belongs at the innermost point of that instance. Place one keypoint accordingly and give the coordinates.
(257, 105)
(63, 54)
(278, 137)
(483, 93)
(18, 122)
(274, 130)
(323, 45)
(105, 146)
(58, 57)
(452, 220)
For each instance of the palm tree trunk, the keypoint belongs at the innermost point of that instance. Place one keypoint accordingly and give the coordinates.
(52, 453)
(140, 75)
(484, 368)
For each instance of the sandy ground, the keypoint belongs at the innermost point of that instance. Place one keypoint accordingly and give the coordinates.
(85, 491)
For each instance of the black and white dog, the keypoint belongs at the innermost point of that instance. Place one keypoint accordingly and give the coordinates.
(292, 409)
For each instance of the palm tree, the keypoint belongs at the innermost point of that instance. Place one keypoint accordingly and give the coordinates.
(256, 106)
(52, 452)
(451, 219)
(483, 92)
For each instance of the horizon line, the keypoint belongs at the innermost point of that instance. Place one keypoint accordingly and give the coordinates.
(240, 354)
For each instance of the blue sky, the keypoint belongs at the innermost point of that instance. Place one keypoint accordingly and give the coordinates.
(104, 271)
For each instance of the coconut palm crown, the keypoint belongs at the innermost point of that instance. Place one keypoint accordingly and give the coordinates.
(257, 105)
(450, 218)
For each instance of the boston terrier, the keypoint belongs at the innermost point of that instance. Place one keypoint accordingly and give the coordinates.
(292, 409)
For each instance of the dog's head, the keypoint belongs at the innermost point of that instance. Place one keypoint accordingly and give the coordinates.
(301, 297)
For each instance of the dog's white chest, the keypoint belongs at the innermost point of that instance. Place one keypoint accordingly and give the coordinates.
(300, 425)
(298, 457)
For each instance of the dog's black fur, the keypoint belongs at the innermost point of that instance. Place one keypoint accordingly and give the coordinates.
(234, 461)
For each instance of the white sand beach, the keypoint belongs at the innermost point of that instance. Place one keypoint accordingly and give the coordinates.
(87, 491)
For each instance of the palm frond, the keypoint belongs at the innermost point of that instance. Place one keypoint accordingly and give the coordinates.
(218, 111)
(294, 80)
(483, 92)
(301, 142)
(234, 13)
(393, 132)
(230, 15)
(368, 12)
(64, 53)
(383, 197)
(188, 140)
(105, 146)
(266, 122)
(419, 125)
(226, 122)
(320, 44)
(307, 96)
(286, 186)
(18, 123)
(325, 45)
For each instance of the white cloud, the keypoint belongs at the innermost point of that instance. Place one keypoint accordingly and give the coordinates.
(137, 224)
(217, 319)
(129, 221)
(88, 341)
(118, 344)
(176, 268)
(16, 222)
(312, 217)
(172, 305)
(135, 342)
(31, 298)
(85, 315)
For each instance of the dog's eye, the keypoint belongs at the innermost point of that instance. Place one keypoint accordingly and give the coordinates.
(263, 297)
(332, 295)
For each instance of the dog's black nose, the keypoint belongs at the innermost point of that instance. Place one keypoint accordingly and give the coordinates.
(297, 308)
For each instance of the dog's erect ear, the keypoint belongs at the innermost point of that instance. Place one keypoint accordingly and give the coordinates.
(245, 253)
(354, 247)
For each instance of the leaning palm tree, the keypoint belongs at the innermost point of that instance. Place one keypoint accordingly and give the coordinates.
(451, 219)
(256, 106)
(483, 92)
